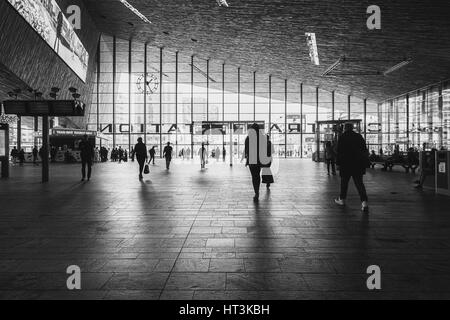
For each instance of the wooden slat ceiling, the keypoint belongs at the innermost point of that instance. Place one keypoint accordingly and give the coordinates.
(8, 82)
(269, 37)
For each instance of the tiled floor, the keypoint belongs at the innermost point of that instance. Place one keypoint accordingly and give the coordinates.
(191, 234)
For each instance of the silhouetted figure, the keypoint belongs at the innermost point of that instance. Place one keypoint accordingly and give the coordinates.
(35, 153)
(41, 153)
(256, 156)
(203, 156)
(21, 157)
(167, 154)
(132, 154)
(87, 157)
(120, 154)
(352, 158)
(152, 153)
(224, 154)
(14, 155)
(428, 168)
(330, 158)
(140, 150)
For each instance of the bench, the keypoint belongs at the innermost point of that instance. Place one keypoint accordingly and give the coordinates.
(389, 164)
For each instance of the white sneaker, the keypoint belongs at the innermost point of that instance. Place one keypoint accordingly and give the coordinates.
(339, 202)
(365, 206)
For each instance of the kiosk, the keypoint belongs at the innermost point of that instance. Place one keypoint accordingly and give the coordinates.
(442, 172)
(4, 150)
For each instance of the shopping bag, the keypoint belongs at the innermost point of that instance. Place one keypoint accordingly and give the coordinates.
(146, 169)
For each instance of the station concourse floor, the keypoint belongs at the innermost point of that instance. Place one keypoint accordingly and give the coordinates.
(191, 234)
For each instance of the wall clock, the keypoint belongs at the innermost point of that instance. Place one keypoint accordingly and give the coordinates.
(151, 84)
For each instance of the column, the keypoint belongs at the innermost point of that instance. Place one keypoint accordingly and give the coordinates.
(301, 120)
(160, 100)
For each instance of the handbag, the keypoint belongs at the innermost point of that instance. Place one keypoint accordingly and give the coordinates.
(146, 169)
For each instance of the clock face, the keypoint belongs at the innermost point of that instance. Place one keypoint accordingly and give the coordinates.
(149, 85)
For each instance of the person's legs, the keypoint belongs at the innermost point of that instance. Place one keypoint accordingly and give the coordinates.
(345, 178)
(255, 170)
(358, 180)
(89, 165)
(141, 166)
(83, 169)
(167, 163)
(328, 165)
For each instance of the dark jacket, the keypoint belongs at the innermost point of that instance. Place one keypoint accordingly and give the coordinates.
(87, 150)
(140, 150)
(352, 153)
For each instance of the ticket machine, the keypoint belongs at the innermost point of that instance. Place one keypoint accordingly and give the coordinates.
(442, 172)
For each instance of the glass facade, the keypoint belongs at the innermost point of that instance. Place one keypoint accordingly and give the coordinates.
(412, 120)
(163, 96)
(184, 91)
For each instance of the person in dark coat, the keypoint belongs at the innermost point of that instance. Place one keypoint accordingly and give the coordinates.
(21, 157)
(255, 157)
(152, 153)
(87, 157)
(167, 154)
(352, 158)
(14, 154)
(140, 151)
(35, 153)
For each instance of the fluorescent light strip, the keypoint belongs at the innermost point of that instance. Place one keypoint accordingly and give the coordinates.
(135, 11)
(397, 66)
(312, 45)
(202, 72)
(333, 66)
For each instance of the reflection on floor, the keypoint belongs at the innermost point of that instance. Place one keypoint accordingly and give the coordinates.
(191, 234)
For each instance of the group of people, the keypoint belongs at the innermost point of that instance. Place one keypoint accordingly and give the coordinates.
(18, 156)
(119, 155)
(350, 154)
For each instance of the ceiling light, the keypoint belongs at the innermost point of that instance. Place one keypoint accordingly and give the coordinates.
(312, 45)
(222, 3)
(135, 11)
(333, 66)
(397, 66)
(202, 72)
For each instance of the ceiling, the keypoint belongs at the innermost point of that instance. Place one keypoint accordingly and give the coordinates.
(269, 37)
(9, 81)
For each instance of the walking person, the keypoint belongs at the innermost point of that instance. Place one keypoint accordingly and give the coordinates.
(21, 157)
(224, 154)
(330, 158)
(87, 157)
(203, 156)
(14, 155)
(120, 153)
(255, 153)
(35, 153)
(167, 154)
(140, 151)
(352, 158)
(152, 153)
(267, 176)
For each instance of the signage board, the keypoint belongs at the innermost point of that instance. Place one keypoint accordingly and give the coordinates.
(56, 108)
